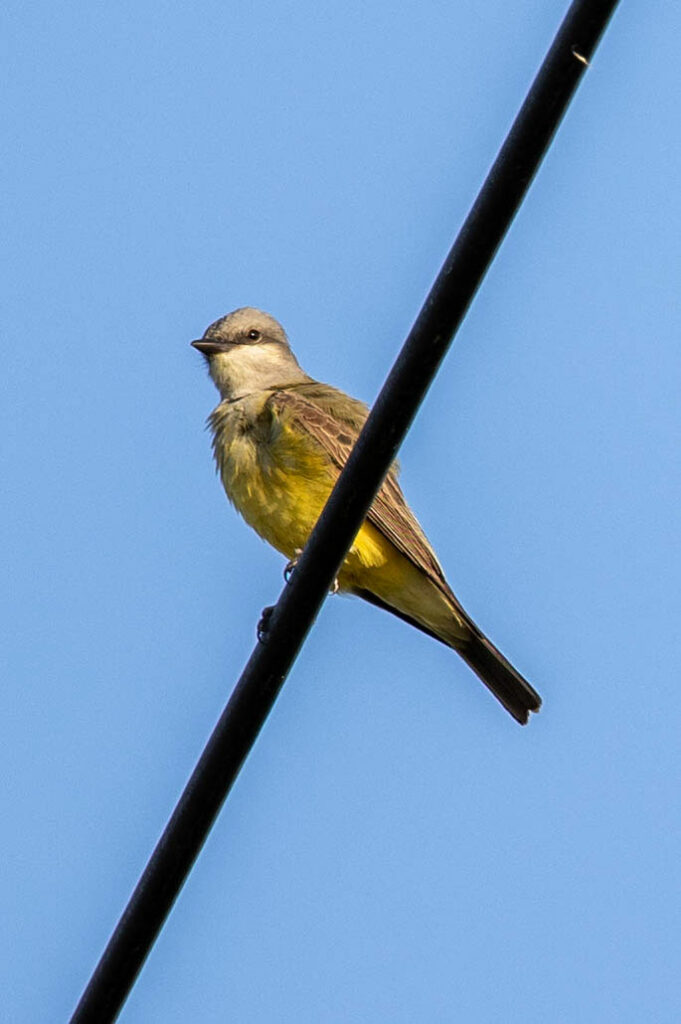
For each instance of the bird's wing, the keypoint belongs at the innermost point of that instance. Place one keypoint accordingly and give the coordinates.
(333, 402)
(336, 434)
(341, 407)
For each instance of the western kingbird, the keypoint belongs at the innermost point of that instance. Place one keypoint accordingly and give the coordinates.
(280, 439)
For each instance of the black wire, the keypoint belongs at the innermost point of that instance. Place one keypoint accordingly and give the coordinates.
(367, 465)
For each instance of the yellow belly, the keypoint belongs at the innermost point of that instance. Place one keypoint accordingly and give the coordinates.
(281, 487)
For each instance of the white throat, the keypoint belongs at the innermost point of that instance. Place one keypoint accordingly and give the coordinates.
(244, 369)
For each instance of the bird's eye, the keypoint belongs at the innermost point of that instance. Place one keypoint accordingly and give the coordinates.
(254, 335)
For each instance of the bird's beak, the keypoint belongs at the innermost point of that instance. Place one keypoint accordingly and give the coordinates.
(210, 348)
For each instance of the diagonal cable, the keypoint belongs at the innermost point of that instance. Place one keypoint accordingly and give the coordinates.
(300, 600)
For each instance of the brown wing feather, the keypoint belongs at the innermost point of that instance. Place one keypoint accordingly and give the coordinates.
(389, 512)
(336, 431)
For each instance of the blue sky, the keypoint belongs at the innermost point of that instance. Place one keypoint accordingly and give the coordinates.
(396, 849)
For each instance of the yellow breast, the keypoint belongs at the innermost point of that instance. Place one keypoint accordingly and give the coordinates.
(279, 479)
(275, 477)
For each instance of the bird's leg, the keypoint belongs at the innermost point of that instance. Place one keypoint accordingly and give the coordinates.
(263, 626)
(290, 566)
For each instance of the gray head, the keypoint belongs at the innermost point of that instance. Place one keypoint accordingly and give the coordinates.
(247, 351)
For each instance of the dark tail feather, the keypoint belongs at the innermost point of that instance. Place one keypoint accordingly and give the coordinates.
(507, 685)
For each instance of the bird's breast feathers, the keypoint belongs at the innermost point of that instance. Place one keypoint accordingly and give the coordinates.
(273, 473)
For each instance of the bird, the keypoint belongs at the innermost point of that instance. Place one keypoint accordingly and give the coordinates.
(280, 439)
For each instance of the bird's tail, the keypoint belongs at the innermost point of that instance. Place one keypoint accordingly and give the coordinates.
(449, 623)
(505, 682)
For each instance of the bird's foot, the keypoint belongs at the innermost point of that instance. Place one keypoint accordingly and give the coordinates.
(263, 626)
(290, 566)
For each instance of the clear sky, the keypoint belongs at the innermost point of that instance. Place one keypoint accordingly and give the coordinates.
(396, 848)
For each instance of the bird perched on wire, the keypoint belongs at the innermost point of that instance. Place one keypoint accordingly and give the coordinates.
(280, 440)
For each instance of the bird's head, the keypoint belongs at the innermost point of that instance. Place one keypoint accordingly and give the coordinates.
(247, 351)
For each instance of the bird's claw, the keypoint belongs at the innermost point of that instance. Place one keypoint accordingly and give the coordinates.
(290, 566)
(263, 626)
